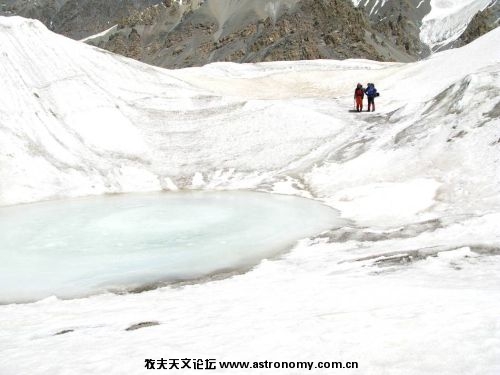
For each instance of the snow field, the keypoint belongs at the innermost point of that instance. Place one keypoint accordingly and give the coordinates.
(409, 285)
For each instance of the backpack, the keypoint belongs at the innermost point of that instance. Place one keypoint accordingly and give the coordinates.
(371, 91)
(359, 92)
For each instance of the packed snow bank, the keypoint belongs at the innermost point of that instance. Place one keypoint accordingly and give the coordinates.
(409, 285)
(387, 203)
(98, 36)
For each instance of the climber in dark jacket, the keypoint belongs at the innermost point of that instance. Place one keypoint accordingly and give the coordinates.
(371, 93)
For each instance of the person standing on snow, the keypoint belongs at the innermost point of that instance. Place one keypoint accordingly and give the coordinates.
(359, 95)
(371, 93)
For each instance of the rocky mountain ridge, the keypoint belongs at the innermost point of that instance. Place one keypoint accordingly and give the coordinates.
(73, 18)
(183, 33)
(482, 23)
(252, 31)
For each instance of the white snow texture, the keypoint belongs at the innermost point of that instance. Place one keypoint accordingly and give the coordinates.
(410, 286)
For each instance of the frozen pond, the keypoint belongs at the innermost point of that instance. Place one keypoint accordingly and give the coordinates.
(73, 248)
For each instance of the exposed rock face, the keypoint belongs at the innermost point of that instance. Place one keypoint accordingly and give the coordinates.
(400, 21)
(175, 33)
(142, 34)
(73, 18)
(291, 30)
(482, 23)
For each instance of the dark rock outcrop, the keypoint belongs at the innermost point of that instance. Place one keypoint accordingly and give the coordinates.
(174, 34)
(141, 325)
(310, 29)
(400, 22)
(73, 18)
(482, 23)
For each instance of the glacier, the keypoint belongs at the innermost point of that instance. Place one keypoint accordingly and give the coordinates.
(444, 22)
(409, 284)
(447, 20)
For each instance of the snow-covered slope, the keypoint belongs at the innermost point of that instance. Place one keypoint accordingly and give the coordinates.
(442, 21)
(411, 285)
(448, 20)
(64, 103)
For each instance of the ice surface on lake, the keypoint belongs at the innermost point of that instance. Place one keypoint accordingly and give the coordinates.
(75, 247)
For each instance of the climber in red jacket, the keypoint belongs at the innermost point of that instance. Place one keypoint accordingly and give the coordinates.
(359, 95)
